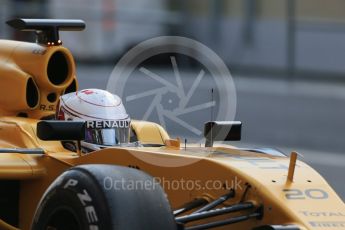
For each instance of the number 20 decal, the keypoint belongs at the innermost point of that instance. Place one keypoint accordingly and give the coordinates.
(296, 194)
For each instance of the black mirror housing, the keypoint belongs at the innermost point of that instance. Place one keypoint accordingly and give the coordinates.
(222, 131)
(61, 130)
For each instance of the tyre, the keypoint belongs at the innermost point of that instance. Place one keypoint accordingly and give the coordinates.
(104, 197)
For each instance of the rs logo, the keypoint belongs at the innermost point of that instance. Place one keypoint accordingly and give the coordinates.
(296, 194)
(47, 107)
(39, 51)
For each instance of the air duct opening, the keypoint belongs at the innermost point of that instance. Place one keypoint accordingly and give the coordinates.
(57, 68)
(32, 94)
(52, 97)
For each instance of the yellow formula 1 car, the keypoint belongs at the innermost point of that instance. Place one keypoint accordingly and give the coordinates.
(45, 186)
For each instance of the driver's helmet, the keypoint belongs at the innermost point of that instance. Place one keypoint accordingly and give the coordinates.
(107, 122)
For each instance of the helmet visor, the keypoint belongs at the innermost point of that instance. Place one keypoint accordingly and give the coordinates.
(110, 133)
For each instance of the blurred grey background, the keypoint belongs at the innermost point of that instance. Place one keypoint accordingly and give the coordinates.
(287, 58)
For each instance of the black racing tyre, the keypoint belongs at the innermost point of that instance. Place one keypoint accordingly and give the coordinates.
(104, 197)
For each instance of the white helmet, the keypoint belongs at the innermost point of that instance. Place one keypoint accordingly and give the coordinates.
(107, 122)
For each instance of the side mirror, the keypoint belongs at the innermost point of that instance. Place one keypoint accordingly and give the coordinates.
(222, 131)
(61, 130)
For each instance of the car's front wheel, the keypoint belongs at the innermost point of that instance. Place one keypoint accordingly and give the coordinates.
(104, 197)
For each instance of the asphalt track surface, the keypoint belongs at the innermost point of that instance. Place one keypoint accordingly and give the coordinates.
(308, 117)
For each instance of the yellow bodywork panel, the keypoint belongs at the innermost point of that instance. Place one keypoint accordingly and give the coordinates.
(149, 132)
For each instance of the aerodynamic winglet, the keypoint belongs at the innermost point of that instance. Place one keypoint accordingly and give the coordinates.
(47, 30)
